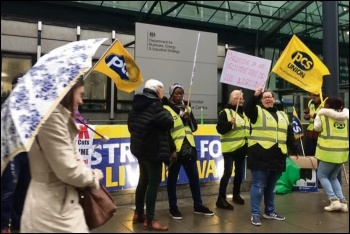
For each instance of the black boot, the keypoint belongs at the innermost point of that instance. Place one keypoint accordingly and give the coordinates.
(223, 204)
(236, 198)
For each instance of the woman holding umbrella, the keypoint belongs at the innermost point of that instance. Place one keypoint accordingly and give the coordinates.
(57, 169)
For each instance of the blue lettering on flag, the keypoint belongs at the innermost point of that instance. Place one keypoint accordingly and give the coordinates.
(297, 128)
(117, 64)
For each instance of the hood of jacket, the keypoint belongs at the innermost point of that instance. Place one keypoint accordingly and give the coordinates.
(144, 100)
(338, 116)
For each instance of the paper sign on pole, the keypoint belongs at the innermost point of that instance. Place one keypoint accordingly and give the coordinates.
(245, 70)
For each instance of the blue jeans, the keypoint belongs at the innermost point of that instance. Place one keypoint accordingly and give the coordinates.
(264, 183)
(14, 185)
(327, 174)
(237, 157)
(190, 167)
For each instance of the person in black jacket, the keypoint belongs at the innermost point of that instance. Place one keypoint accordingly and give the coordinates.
(271, 136)
(149, 125)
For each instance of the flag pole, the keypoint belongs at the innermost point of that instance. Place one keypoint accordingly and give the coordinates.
(88, 73)
(193, 69)
(238, 102)
(302, 147)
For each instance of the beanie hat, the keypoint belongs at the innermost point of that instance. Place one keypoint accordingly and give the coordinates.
(173, 87)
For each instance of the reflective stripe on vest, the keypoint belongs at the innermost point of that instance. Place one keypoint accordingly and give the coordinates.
(267, 131)
(333, 141)
(237, 137)
(179, 131)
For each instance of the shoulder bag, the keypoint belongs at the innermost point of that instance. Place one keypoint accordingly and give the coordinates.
(98, 205)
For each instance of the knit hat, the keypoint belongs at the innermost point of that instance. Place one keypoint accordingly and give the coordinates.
(173, 87)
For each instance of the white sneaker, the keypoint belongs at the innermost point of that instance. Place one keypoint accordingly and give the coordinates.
(344, 207)
(334, 205)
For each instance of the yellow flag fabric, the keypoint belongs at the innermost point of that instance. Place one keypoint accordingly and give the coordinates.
(296, 124)
(299, 66)
(119, 65)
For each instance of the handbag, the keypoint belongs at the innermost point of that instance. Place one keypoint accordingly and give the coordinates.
(187, 151)
(98, 205)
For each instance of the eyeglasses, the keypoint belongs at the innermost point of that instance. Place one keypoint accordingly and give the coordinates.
(266, 97)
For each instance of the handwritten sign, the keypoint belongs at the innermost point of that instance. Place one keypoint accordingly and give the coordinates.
(244, 70)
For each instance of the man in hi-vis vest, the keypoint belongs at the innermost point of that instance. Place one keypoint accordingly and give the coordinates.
(271, 133)
(233, 127)
(313, 106)
(186, 153)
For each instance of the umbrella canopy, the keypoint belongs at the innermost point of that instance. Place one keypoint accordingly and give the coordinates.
(38, 93)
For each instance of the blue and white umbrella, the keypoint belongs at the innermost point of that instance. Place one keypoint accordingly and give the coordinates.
(38, 93)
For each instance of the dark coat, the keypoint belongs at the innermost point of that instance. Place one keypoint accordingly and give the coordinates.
(267, 159)
(149, 125)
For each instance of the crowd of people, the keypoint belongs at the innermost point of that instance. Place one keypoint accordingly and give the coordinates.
(161, 132)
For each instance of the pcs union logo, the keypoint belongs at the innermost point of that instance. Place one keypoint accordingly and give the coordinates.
(300, 63)
(339, 125)
(117, 64)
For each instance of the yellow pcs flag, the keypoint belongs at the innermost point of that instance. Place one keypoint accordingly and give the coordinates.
(299, 66)
(119, 65)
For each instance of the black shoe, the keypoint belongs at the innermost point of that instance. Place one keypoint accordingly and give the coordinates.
(203, 210)
(175, 214)
(236, 198)
(223, 204)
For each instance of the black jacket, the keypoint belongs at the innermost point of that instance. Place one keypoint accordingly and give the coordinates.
(149, 124)
(267, 159)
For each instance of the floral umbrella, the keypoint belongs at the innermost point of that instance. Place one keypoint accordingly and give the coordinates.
(38, 93)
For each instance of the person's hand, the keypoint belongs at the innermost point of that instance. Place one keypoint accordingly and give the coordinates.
(186, 116)
(173, 157)
(98, 173)
(258, 92)
(310, 116)
(188, 109)
(233, 120)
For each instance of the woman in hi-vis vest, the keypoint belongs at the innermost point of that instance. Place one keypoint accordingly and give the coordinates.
(186, 153)
(332, 150)
(271, 133)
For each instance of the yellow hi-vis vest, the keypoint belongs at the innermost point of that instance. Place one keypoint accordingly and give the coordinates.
(333, 141)
(267, 132)
(180, 131)
(237, 137)
(313, 110)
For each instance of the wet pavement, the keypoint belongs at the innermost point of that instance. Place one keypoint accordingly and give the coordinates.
(303, 211)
